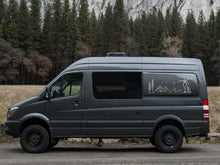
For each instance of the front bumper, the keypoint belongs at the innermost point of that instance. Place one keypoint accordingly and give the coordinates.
(12, 128)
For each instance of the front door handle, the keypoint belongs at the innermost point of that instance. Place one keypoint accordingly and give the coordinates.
(77, 103)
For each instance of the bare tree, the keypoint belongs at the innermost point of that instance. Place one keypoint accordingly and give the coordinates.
(82, 50)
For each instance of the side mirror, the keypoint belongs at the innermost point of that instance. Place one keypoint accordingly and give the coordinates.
(47, 95)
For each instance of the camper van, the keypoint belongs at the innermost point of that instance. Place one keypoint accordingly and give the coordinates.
(159, 98)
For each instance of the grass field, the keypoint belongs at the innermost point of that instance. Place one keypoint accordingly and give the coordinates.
(11, 94)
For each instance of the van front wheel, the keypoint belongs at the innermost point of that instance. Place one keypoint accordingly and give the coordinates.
(34, 139)
(168, 139)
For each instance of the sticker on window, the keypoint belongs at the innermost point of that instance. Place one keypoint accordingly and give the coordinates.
(171, 85)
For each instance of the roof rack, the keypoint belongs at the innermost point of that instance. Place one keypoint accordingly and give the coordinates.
(115, 54)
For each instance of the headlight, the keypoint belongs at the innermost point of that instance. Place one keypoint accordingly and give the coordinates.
(12, 111)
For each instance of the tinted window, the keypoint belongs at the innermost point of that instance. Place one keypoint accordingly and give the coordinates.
(67, 85)
(117, 85)
(170, 85)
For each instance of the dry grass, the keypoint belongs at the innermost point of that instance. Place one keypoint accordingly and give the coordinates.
(11, 94)
(214, 105)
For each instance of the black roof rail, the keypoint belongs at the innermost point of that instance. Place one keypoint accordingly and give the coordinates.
(115, 54)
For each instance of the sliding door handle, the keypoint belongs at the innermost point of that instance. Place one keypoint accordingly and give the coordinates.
(77, 103)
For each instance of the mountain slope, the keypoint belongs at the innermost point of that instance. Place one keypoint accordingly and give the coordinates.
(136, 7)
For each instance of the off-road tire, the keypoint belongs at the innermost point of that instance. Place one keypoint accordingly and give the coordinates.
(34, 139)
(168, 139)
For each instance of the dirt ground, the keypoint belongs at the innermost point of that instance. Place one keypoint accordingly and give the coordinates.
(11, 94)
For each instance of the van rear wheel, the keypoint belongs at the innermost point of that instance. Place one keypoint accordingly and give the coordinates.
(34, 139)
(168, 139)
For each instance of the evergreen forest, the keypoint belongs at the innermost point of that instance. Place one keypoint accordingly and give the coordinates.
(34, 48)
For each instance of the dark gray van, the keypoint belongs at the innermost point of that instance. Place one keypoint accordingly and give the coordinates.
(163, 99)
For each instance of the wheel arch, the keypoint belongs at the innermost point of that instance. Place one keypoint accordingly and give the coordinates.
(169, 120)
(35, 119)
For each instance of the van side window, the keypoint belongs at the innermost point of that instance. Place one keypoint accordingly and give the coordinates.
(67, 85)
(117, 85)
(170, 84)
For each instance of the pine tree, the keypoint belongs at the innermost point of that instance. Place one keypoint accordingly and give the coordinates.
(12, 34)
(202, 38)
(11, 11)
(2, 10)
(74, 11)
(121, 26)
(67, 36)
(217, 26)
(189, 48)
(22, 23)
(93, 33)
(161, 28)
(216, 62)
(141, 34)
(153, 37)
(212, 47)
(10, 23)
(46, 47)
(56, 35)
(168, 22)
(108, 30)
(1, 31)
(83, 21)
(161, 24)
(100, 50)
(34, 25)
(216, 58)
(153, 31)
(131, 26)
(75, 29)
(211, 25)
(175, 22)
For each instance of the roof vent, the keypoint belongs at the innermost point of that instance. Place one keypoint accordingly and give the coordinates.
(115, 54)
